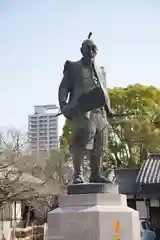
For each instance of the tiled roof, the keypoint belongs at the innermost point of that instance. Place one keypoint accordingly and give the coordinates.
(126, 179)
(150, 170)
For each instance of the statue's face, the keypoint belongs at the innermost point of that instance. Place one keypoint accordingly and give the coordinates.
(89, 50)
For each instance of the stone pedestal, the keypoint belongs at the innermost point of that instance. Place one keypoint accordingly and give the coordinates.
(101, 214)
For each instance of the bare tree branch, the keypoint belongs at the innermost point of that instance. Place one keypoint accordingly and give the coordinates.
(23, 176)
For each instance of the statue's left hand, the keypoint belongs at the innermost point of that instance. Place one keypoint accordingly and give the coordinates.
(111, 113)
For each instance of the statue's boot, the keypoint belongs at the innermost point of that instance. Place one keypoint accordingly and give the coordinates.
(95, 176)
(78, 173)
(77, 179)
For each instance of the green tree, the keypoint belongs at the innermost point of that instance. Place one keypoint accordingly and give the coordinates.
(66, 136)
(130, 138)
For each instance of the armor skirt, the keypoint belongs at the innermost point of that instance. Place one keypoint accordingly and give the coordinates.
(90, 132)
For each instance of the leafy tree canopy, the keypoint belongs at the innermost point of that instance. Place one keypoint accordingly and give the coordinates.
(131, 137)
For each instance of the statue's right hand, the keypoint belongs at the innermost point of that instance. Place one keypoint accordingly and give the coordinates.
(69, 112)
(66, 110)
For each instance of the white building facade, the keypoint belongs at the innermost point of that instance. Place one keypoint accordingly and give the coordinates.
(43, 130)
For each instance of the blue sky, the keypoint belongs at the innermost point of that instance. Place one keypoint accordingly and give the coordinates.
(37, 36)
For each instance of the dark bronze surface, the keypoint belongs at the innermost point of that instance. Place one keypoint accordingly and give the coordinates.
(84, 84)
(91, 188)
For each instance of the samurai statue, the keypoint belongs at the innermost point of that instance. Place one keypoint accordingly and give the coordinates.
(83, 98)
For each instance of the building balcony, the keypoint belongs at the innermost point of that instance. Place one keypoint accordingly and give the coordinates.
(33, 126)
(43, 127)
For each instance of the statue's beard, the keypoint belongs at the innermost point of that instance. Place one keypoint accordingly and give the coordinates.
(89, 56)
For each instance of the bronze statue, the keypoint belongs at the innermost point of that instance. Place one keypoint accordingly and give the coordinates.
(88, 107)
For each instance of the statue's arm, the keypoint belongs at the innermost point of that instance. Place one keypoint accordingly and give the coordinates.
(65, 85)
(108, 102)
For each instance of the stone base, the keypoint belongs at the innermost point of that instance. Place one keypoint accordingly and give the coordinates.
(96, 216)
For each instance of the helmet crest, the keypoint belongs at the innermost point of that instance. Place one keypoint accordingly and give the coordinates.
(89, 35)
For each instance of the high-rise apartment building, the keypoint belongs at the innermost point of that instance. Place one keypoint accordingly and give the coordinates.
(43, 129)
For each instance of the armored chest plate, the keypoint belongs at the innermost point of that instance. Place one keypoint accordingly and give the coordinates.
(89, 80)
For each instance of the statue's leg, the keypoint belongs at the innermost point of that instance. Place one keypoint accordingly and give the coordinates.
(78, 157)
(100, 145)
(79, 140)
(95, 159)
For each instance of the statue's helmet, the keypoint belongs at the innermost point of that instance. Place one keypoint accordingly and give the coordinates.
(89, 47)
